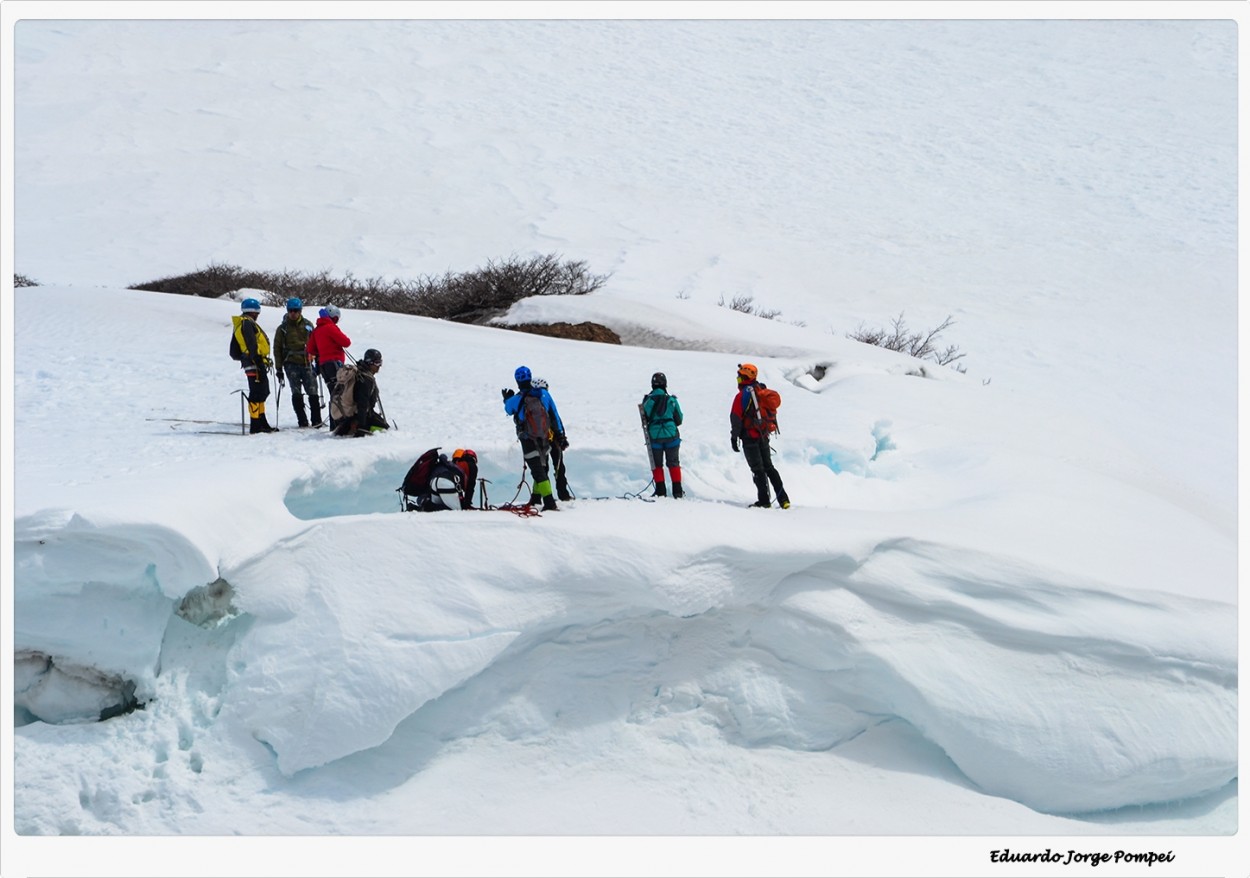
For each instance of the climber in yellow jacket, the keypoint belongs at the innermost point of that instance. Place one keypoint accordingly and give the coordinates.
(250, 346)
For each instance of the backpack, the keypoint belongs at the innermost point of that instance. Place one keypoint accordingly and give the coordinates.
(659, 412)
(421, 486)
(761, 413)
(531, 418)
(343, 402)
(236, 353)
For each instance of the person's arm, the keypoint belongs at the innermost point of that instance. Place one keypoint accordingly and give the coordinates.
(279, 343)
(735, 422)
(555, 417)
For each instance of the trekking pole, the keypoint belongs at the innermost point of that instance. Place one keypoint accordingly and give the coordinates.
(382, 411)
(278, 405)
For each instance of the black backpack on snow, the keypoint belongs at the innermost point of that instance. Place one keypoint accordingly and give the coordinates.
(433, 484)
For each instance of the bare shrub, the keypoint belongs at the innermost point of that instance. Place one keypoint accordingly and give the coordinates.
(921, 345)
(745, 305)
(21, 280)
(467, 297)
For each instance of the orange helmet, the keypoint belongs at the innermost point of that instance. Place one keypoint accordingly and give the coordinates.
(747, 372)
(462, 453)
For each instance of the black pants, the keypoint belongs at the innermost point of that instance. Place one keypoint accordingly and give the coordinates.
(536, 460)
(257, 384)
(360, 424)
(760, 459)
(557, 467)
(302, 381)
(329, 372)
(659, 456)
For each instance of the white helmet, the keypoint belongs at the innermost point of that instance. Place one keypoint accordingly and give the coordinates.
(333, 312)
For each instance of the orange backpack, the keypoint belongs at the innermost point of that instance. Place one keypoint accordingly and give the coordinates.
(761, 415)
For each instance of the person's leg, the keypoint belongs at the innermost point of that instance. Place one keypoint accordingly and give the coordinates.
(329, 371)
(773, 476)
(557, 465)
(755, 460)
(309, 382)
(657, 471)
(257, 393)
(536, 460)
(674, 470)
(295, 379)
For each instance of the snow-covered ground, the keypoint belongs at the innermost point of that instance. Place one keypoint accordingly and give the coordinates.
(1002, 612)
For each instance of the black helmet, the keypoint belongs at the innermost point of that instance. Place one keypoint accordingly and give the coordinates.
(372, 357)
(659, 380)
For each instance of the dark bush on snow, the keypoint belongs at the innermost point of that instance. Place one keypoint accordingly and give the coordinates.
(21, 280)
(745, 305)
(467, 297)
(921, 345)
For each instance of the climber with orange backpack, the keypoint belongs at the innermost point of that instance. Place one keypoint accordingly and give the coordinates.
(435, 483)
(752, 418)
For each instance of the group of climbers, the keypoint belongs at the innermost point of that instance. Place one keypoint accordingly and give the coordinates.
(306, 354)
(752, 418)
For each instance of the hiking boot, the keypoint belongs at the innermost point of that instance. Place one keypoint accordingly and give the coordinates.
(785, 504)
(761, 504)
(677, 492)
(301, 415)
(660, 490)
(534, 500)
(261, 425)
(549, 504)
(565, 496)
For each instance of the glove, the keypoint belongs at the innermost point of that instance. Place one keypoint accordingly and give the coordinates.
(508, 393)
(281, 379)
(563, 442)
(733, 443)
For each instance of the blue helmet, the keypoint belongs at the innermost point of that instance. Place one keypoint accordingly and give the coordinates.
(294, 304)
(250, 306)
(321, 313)
(522, 374)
